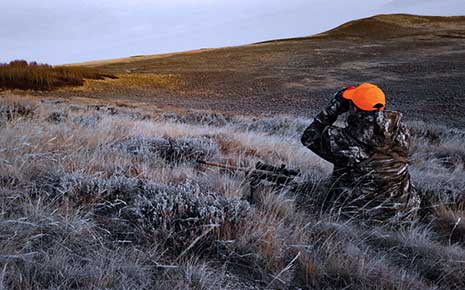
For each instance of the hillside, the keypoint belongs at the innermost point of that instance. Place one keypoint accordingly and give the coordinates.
(418, 60)
(399, 25)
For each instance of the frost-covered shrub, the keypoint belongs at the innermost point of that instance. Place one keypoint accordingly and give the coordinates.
(81, 188)
(42, 248)
(10, 110)
(172, 150)
(199, 118)
(57, 117)
(136, 210)
(87, 121)
(180, 214)
(137, 116)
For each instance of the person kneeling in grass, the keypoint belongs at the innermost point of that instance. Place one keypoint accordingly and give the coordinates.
(370, 179)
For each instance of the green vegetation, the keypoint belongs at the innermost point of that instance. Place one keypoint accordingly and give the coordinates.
(20, 74)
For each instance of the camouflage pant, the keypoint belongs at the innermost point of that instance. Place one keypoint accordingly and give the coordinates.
(353, 204)
(375, 208)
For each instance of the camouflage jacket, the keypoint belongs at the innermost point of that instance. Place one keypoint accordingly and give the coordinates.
(370, 157)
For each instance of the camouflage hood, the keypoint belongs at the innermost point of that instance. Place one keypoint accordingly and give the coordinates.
(375, 128)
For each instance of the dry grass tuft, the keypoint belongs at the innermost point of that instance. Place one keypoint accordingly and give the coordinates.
(451, 224)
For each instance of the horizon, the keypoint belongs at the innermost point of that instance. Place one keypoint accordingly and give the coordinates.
(64, 33)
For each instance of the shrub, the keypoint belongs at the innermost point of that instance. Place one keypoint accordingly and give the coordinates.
(87, 120)
(139, 211)
(20, 74)
(182, 215)
(45, 248)
(199, 118)
(13, 108)
(173, 150)
(57, 117)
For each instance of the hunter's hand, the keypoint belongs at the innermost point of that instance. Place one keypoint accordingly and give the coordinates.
(339, 104)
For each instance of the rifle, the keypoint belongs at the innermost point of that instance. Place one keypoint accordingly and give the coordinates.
(278, 176)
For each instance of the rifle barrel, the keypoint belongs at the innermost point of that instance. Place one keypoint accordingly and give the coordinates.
(264, 174)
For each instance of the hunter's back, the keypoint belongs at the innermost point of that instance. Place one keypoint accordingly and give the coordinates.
(382, 143)
(375, 176)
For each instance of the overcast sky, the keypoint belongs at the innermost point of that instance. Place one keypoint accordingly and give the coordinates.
(67, 31)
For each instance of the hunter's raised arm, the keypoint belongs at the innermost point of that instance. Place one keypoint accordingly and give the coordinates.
(315, 137)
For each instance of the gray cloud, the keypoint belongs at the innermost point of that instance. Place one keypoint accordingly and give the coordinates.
(64, 31)
(428, 7)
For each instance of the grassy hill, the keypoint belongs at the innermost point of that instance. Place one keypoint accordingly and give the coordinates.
(418, 60)
(391, 26)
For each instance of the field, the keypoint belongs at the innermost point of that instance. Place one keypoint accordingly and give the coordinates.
(418, 61)
(110, 197)
(100, 188)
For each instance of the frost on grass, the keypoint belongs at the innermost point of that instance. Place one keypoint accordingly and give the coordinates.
(141, 211)
(278, 126)
(199, 118)
(287, 126)
(47, 248)
(438, 164)
(12, 108)
(57, 117)
(182, 213)
(87, 121)
(84, 206)
(173, 150)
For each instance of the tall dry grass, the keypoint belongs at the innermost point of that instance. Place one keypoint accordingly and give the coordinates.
(19, 74)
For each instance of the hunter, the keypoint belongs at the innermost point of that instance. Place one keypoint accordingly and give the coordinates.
(370, 178)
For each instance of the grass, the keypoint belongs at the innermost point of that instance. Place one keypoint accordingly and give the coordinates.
(103, 197)
(133, 81)
(20, 74)
(391, 26)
